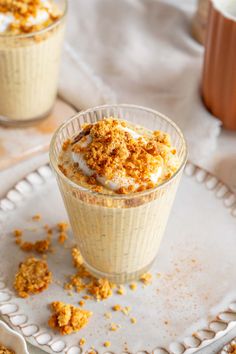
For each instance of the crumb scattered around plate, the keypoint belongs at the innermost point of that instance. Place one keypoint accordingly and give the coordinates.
(229, 348)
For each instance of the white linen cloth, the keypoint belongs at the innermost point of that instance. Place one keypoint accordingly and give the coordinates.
(140, 52)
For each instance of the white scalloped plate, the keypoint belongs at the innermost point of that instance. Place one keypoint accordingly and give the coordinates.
(12, 339)
(191, 303)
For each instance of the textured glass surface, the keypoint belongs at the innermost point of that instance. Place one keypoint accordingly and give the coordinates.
(118, 235)
(29, 67)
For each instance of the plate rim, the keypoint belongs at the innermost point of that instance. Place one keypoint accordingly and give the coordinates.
(200, 339)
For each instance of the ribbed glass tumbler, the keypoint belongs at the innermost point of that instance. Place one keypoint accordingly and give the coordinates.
(29, 68)
(118, 235)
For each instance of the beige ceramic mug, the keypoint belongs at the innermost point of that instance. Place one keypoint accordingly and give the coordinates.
(219, 74)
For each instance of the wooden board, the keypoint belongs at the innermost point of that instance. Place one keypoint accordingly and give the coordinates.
(17, 144)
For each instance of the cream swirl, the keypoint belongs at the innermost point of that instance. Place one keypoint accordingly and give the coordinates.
(41, 16)
(6, 19)
(119, 180)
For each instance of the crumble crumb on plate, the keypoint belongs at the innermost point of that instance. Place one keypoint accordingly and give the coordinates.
(146, 278)
(67, 318)
(32, 277)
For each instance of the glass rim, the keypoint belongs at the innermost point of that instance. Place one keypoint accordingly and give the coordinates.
(41, 31)
(56, 169)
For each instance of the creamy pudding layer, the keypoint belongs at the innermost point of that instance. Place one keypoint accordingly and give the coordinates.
(118, 238)
(29, 60)
(119, 243)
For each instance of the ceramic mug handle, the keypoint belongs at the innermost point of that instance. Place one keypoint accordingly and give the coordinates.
(219, 73)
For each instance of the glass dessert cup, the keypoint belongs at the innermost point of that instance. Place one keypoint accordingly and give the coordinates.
(29, 70)
(118, 235)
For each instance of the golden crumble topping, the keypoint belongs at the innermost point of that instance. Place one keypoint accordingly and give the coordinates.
(32, 277)
(232, 349)
(66, 144)
(68, 318)
(5, 350)
(24, 10)
(113, 152)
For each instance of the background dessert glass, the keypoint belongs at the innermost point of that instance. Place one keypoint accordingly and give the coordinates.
(29, 68)
(118, 235)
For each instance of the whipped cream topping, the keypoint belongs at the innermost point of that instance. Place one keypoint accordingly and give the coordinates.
(118, 181)
(6, 19)
(41, 16)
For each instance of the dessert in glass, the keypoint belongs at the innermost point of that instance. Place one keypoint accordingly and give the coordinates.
(118, 168)
(31, 37)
